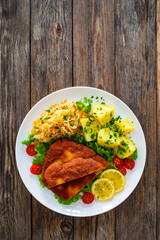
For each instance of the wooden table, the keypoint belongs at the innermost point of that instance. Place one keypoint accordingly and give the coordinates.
(52, 44)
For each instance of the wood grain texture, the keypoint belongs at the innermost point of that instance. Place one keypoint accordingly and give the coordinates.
(136, 85)
(93, 43)
(51, 56)
(14, 104)
(59, 43)
(158, 117)
(51, 69)
(93, 65)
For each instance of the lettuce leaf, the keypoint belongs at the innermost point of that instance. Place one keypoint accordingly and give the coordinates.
(29, 140)
(134, 156)
(68, 202)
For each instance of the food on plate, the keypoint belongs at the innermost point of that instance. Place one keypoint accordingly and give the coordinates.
(90, 128)
(118, 161)
(36, 169)
(124, 126)
(80, 148)
(103, 189)
(126, 148)
(88, 198)
(66, 161)
(108, 138)
(31, 150)
(116, 177)
(122, 170)
(58, 120)
(70, 189)
(129, 163)
(102, 112)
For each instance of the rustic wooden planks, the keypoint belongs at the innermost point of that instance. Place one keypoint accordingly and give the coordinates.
(51, 69)
(158, 117)
(51, 56)
(93, 65)
(93, 43)
(15, 211)
(101, 43)
(135, 41)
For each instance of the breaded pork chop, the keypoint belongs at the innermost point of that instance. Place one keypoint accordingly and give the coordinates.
(68, 190)
(67, 161)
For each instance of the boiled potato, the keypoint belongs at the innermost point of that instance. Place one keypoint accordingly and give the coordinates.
(108, 138)
(124, 126)
(90, 128)
(103, 113)
(126, 148)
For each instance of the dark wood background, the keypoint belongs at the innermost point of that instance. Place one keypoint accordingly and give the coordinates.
(109, 44)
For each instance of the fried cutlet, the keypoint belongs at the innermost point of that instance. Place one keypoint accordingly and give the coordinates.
(68, 190)
(70, 165)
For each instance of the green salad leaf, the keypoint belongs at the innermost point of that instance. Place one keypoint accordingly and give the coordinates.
(134, 156)
(40, 181)
(68, 202)
(85, 103)
(29, 140)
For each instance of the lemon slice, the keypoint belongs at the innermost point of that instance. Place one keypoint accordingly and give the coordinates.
(103, 189)
(116, 177)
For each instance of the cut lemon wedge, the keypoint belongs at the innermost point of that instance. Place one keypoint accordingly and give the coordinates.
(103, 189)
(116, 177)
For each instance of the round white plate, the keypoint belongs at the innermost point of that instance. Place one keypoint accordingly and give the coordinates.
(46, 197)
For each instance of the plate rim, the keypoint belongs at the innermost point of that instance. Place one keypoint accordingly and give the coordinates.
(61, 90)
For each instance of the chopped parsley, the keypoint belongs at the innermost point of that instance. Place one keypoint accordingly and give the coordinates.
(86, 103)
(93, 135)
(80, 105)
(124, 143)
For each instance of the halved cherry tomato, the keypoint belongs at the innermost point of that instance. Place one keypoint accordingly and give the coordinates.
(122, 170)
(87, 198)
(36, 169)
(30, 150)
(129, 163)
(118, 161)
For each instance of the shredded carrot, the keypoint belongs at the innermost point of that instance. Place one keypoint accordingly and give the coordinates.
(58, 120)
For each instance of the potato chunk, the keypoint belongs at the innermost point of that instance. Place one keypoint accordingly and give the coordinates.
(90, 128)
(108, 138)
(124, 126)
(126, 148)
(103, 113)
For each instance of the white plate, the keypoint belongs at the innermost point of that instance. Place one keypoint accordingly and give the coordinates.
(45, 196)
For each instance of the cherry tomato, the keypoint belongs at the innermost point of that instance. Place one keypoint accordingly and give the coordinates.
(87, 198)
(122, 170)
(118, 161)
(129, 163)
(30, 150)
(36, 169)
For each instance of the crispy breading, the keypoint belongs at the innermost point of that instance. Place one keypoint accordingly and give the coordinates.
(67, 190)
(67, 161)
(57, 174)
